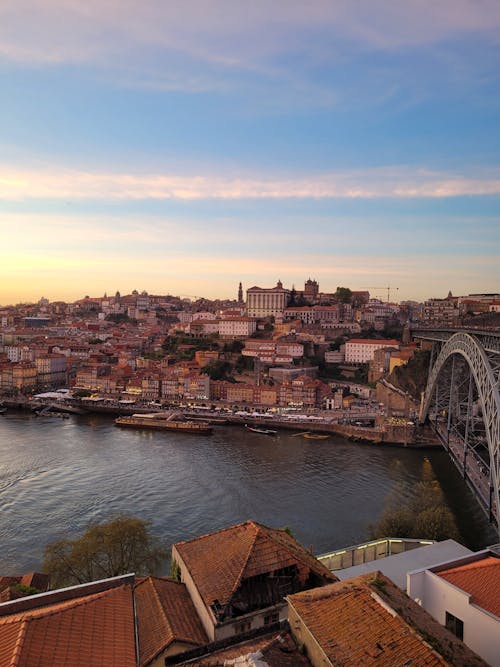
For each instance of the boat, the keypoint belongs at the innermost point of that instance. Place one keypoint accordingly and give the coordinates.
(316, 436)
(2, 410)
(164, 423)
(262, 431)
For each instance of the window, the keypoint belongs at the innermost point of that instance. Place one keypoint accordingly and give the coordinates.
(240, 628)
(269, 619)
(455, 625)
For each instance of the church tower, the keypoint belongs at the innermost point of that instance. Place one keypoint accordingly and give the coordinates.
(240, 293)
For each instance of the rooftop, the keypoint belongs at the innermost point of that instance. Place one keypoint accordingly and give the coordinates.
(480, 579)
(220, 561)
(369, 621)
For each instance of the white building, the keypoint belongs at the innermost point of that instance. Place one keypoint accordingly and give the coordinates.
(361, 350)
(263, 302)
(237, 327)
(464, 595)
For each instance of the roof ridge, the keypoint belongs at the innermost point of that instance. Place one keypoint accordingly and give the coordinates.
(216, 532)
(474, 565)
(30, 614)
(157, 596)
(19, 644)
(243, 568)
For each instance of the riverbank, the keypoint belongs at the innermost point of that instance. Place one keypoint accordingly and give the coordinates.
(405, 434)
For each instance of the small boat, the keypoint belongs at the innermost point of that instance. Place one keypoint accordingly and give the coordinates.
(2, 410)
(262, 431)
(316, 436)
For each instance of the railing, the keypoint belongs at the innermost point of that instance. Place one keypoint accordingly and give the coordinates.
(369, 551)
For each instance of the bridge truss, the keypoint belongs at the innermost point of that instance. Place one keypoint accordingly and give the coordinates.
(462, 401)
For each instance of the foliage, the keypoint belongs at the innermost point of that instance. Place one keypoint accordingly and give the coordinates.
(95, 341)
(120, 318)
(425, 516)
(175, 570)
(217, 370)
(27, 590)
(234, 346)
(343, 294)
(412, 377)
(109, 549)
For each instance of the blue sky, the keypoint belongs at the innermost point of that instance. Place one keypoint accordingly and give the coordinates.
(184, 146)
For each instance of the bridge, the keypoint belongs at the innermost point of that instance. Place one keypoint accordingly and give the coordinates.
(462, 402)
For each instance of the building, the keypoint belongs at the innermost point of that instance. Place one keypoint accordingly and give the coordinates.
(369, 621)
(361, 350)
(237, 327)
(464, 596)
(267, 302)
(238, 577)
(117, 622)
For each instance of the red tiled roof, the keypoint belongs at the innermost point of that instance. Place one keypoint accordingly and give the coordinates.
(277, 651)
(354, 628)
(481, 579)
(219, 562)
(165, 614)
(91, 630)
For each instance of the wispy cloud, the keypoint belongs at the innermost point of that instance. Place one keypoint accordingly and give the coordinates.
(198, 46)
(394, 182)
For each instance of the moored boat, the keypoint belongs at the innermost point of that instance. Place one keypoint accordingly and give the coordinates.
(315, 436)
(164, 423)
(262, 431)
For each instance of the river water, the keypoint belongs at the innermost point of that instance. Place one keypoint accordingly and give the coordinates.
(58, 475)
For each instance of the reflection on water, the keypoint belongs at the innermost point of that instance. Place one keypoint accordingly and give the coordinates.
(58, 475)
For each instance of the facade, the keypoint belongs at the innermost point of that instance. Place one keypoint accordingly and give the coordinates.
(264, 302)
(464, 596)
(361, 350)
(238, 577)
(368, 621)
(237, 327)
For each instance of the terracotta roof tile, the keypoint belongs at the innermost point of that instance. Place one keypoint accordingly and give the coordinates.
(481, 579)
(218, 562)
(165, 614)
(354, 628)
(93, 630)
(277, 651)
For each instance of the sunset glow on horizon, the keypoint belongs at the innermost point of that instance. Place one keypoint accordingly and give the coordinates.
(180, 148)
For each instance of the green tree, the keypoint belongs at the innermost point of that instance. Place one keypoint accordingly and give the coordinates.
(108, 549)
(343, 294)
(425, 516)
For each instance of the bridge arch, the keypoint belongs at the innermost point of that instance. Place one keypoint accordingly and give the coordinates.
(486, 377)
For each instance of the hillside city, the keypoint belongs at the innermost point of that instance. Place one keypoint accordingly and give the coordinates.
(278, 348)
(249, 594)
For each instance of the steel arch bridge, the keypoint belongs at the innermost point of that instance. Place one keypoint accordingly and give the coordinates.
(462, 401)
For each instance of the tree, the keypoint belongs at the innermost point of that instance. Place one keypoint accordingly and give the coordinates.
(343, 294)
(109, 549)
(426, 516)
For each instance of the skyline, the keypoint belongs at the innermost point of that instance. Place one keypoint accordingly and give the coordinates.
(185, 147)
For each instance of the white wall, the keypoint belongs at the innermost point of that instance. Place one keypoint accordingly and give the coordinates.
(437, 596)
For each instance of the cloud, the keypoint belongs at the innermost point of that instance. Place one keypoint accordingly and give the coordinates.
(198, 46)
(383, 182)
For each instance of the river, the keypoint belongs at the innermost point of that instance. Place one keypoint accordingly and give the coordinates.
(58, 475)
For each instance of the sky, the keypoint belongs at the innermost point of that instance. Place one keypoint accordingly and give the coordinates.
(184, 146)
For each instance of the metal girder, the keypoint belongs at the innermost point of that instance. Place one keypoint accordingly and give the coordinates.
(444, 386)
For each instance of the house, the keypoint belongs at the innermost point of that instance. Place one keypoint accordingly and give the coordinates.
(370, 621)
(464, 595)
(238, 577)
(12, 588)
(166, 620)
(120, 622)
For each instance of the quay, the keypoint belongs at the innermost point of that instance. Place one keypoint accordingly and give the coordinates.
(404, 434)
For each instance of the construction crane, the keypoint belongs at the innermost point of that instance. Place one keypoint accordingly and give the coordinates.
(388, 288)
